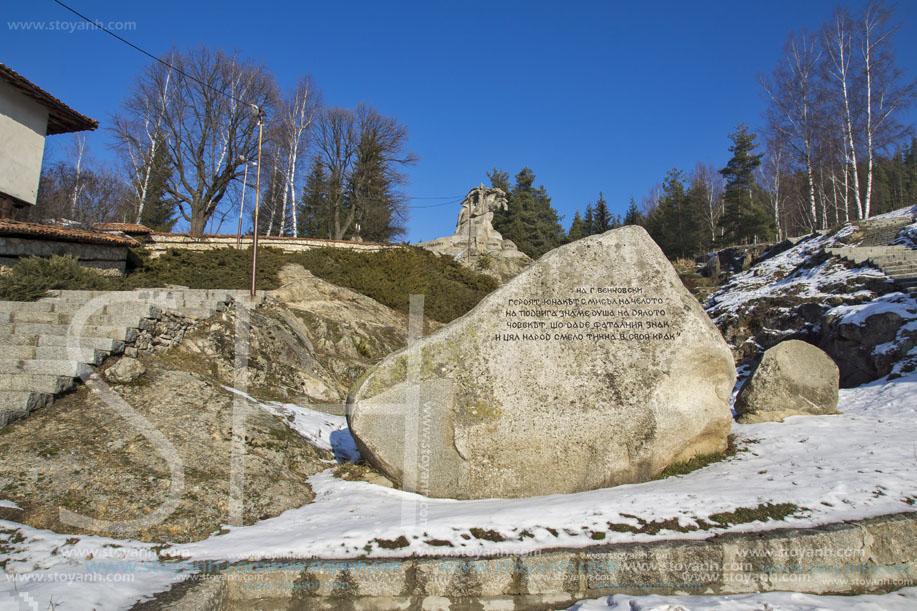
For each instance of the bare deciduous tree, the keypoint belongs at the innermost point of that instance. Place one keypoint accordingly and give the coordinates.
(362, 153)
(296, 114)
(713, 184)
(886, 94)
(793, 90)
(203, 109)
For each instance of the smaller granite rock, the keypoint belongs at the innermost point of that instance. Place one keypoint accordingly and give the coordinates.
(125, 371)
(793, 378)
(712, 268)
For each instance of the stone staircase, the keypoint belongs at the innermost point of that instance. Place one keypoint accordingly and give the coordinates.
(880, 232)
(47, 346)
(897, 262)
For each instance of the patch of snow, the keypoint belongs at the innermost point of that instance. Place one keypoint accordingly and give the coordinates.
(903, 305)
(47, 570)
(790, 273)
(829, 465)
(902, 600)
(9, 505)
(324, 431)
(906, 211)
(806, 460)
(907, 236)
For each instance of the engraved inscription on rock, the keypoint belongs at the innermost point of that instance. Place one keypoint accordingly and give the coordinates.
(613, 313)
(593, 367)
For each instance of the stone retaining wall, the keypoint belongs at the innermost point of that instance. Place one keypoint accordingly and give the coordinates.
(870, 556)
(159, 243)
(105, 257)
(164, 333)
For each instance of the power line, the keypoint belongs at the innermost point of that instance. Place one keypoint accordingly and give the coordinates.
(452, 199)
(449, 203)
(150, 55)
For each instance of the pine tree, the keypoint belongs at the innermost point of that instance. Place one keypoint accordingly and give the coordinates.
(577, 228)
(529, 221)
(370, 189)
(676, 223)
(158, 211)
(589, 220)
(633, 215)
(743, 218)
(313, 217)
(602, 220)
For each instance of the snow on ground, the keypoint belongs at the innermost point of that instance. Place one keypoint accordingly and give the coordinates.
(830, 466)
(903, 600)
(788, 274)
(855, 465)
(322, 430)
(908, 236)
(40, 569)
(906, 211)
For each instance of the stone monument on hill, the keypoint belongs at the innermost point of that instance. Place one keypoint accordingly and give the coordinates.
(476, 243)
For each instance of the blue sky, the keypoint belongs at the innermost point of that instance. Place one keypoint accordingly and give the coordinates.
(593, 96)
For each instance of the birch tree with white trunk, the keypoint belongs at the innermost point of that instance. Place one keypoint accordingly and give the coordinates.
(206, 119)
(296, 115)
(839, 47)
(886, 92)
(793, 91)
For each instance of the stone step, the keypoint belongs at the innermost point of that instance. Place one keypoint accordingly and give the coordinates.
(106, 345)
(120, 333)
(25, 351)
(880, 238)
(61, 343)
(901, 274)
(138, 308)
(196, 303)
(35, 308)
(32, 382)
(26, 306)
(95, 319)
(77, 294)
(58, 367)
(18, 351)
(15, 404)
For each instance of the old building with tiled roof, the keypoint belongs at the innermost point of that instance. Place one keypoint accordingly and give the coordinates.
(28, 113)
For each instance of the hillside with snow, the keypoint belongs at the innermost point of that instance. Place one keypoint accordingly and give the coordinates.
(857, 464)
(858, 315)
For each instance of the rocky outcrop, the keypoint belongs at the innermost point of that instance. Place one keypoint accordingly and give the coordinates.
(872, 340)
(793, 378)
(791, 295)
(594, 367)
(307, 343)
(476, 243)
(81, 455)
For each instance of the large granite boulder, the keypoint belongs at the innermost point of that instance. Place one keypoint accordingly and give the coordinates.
(593, 367)
(793, 378)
